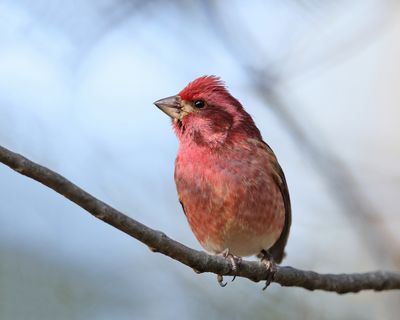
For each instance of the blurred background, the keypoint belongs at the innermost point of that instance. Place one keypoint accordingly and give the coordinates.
(77, 82)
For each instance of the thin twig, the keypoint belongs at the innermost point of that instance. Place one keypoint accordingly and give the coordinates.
(199, 261)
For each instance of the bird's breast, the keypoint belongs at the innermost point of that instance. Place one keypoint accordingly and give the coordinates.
(230, 200)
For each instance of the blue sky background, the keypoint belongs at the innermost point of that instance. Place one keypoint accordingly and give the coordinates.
(77, 82)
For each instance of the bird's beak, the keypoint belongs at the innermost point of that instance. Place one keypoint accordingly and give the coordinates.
(171, 106)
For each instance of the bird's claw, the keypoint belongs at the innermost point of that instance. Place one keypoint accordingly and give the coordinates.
(220, 280)
(234, 261)
(268, 261)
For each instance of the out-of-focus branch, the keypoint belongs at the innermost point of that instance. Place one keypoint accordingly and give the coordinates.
(342, 183)
(200, 261)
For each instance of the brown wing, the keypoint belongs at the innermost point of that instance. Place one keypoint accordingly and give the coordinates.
(183, 207)
(278, 249)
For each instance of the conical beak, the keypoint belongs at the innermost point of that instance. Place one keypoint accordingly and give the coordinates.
(171, 106)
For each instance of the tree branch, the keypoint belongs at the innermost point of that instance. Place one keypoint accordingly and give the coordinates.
(200, 261)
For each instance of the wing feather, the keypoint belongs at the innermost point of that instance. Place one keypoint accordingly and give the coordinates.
(278, 249)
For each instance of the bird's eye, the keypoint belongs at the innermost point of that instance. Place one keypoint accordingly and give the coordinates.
(199, 104)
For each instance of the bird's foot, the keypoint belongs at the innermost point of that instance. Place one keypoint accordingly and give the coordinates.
(268, 261)
(234, 261)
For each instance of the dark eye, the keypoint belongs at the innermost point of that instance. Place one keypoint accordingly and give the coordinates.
(199, 104)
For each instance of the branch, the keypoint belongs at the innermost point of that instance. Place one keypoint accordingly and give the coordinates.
(198, 260)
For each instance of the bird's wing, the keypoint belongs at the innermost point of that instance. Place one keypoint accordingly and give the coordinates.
(183, 207)
(278, 249)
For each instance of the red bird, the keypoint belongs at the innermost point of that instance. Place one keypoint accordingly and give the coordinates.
(229, 182)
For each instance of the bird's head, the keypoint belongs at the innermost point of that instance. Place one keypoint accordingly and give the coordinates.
(205, 113)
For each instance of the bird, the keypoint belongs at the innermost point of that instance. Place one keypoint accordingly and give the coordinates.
(231, 187)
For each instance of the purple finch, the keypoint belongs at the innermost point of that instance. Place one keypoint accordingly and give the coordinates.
(229, 182)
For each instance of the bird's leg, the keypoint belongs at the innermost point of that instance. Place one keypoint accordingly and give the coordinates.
(234, 261)
(268, 261)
